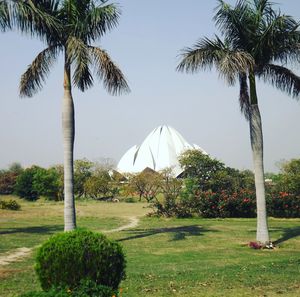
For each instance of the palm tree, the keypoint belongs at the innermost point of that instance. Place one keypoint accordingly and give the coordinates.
(255, 36)
(68, 27)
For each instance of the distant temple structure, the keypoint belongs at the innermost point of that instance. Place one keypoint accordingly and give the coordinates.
(160, 150)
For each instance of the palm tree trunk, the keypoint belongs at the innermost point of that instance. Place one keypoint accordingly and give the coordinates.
(256, 136)
(68, 125)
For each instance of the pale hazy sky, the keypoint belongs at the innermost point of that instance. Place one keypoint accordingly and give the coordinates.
(145, 45)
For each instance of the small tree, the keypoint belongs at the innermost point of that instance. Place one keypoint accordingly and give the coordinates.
(8, 178)
(99, 185)
(7, 182)
(82, 171)
(47, 182)
(147, 184)
(170, 185)
(289, 178)
(200, 166)
(213, 175)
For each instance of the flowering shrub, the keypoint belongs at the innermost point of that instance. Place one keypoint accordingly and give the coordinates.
(283, 205)
(240, 204)
(226, 205)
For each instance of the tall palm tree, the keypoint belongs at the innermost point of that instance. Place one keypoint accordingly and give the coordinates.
(255, 36)
(69, 27)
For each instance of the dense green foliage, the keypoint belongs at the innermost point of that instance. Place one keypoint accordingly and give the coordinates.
(48, 183)
(68, 258)
(99, 185)
(82, 171)
(86, 288)
(146, 184)
(24, 184)
(37, 181)
(212, 174)
(288, 180)
(212, 190)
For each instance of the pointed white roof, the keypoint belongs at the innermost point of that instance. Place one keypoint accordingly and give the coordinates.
(160, 150)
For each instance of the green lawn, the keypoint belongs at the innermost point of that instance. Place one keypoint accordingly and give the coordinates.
(166, 257)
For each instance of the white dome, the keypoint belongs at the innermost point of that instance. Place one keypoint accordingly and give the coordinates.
(159, 150)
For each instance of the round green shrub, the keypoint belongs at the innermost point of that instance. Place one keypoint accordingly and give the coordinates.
(86, 288)
(68, 258)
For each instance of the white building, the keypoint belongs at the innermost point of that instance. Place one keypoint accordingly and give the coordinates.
(160, 150)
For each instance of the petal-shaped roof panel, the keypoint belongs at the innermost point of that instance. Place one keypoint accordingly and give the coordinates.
(160, 150)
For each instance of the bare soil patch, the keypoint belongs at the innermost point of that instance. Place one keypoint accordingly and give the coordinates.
(14, 256)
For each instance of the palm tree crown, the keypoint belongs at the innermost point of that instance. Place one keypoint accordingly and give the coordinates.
(69, 27)
(259, 35)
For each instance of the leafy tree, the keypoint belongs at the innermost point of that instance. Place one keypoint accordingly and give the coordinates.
(211, 174)
(146, 183)
(82, 171)
(8, 178)
(200, 166)
(255, 37)
(7, 182)
(24, 184)
(170, 185)
(69, 27)
(289, 178)
(37, 181)
(46, 182)
(247, 180)
(99, 185)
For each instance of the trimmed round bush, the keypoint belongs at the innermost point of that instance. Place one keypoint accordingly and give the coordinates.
(68, 258)
(86, 289)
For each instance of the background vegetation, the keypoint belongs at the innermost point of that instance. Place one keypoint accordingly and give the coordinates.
(206, 188)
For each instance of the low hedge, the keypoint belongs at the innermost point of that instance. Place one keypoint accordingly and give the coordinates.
(241, 204)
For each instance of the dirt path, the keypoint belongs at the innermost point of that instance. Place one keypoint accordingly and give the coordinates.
(16, 255)
(133, 222)
(21, 253)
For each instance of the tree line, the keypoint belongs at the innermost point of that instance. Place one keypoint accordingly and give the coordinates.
(206, 187)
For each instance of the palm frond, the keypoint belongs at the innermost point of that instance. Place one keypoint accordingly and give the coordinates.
(231, 21)
(280, 39)
(5, 19)
(36, 73)
(207, 53)
(89, 19)
(280, 77)
(37, 17)
(112, 77)
(244, 98)
(101, 19)
(78, 55)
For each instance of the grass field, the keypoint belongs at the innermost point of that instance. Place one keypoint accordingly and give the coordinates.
(165, 257)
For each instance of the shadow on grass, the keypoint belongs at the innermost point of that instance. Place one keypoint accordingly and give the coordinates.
(33, 230)
(288, 233)
(179, 233)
